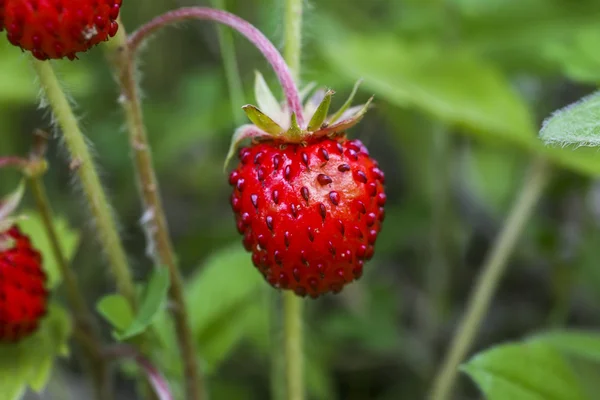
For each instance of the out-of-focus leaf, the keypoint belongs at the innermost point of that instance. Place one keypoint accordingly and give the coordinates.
(153, 301)
(116, 310)
(494, 175)
(577, 124)
(582, 344)
(29, 362)
(17, 79)
(69, 241)
(224, 301)
(524, 371)
(578, 56)
(450, 85)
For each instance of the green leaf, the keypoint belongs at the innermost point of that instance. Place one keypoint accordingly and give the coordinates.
(116, 310)
(577, 124)
(29, 362)
(579, 343)
(153, 301)
(69, 242)
(525, 371)
(225, 303)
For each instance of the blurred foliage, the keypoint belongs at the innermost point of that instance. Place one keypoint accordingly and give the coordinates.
(462, 87)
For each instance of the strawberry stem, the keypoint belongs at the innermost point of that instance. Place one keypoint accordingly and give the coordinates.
(157, 381)
(256, 37)
(90, 341)
(156, 225)
(17, 162)
(84, 166)
(491, 273)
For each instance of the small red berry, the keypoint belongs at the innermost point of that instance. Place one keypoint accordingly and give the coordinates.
(310, 213)
(58, 28)
(23, 295)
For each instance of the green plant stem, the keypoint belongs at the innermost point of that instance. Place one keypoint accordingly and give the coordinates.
(294, 357)
(293, 36)
(234, 81)
(292, 304)
(83, 164)
(155, 219)
(491, 273)
(91, 344)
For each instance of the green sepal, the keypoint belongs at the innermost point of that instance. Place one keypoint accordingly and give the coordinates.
(243, 132)
(262, 121)
(11, 202)
(295, 131)
(335, 117)
(264, 97)
(321, 112)
(347, 123)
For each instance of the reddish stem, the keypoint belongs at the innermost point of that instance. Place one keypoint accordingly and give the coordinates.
(251, 33)
(13, 162)
(159, 383)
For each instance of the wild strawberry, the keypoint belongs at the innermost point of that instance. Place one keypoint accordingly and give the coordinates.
(23, 295)
(58, 28)
(308, 202)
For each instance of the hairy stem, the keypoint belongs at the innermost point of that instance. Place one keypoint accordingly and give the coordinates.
(292, 304)
(488, 281)
(91, 343)
(155, 220)
(83, 164)
(293, 36)
(250, 32)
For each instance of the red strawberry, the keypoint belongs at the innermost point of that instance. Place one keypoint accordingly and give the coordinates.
(23, 295)
(309, 210)
(58, 28)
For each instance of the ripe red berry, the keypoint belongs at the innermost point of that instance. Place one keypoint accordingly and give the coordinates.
(58, 28)
(23, 295)
(310, 213)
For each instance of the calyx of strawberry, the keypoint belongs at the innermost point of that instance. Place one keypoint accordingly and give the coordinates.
(8, 206)
(273, 120)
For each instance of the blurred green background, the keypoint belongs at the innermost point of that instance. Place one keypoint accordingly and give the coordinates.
(461, 86)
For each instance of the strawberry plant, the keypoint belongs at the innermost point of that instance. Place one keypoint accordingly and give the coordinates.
(183, 226)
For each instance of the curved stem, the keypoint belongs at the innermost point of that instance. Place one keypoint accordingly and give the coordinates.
(11, 161)
(83, 163)
(292, 304)
(158, 382)
(489, 279)
(90, 341)
(155, 221)
(251, 33)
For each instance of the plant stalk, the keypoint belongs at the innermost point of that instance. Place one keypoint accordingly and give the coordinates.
(489, 279)
(292, 304)
(91, 345)
(155, 220)
(83, 164)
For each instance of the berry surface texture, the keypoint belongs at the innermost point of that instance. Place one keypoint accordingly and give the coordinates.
(53, 29)
(23, 295)
(309, 213)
